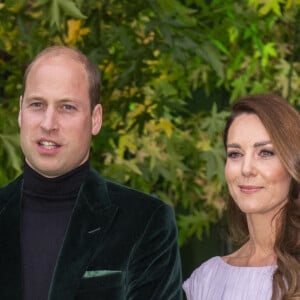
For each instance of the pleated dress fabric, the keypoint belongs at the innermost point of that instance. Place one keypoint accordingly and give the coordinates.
(217, 280)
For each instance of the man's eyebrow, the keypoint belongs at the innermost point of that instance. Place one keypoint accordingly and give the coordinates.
(40, 98)
(257, 144)
(65, 100)
(32, 98)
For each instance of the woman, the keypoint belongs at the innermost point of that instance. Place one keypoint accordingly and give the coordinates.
(262, 170)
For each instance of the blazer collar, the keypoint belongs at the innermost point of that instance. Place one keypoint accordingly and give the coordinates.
(10, 249)
(92, 216)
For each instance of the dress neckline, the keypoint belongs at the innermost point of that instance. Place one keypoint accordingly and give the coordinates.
(248, 267)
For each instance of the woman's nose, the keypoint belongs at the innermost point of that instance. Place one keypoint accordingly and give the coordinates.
(248, 166)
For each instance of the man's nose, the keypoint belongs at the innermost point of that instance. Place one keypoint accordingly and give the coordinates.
(49, 121)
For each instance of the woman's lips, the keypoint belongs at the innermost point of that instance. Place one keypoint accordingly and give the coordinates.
(249, 189)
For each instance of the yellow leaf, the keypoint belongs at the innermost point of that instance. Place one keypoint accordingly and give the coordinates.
(150, 62)
(156, 53)
(233, 34)
(204, 145)
(75, 31)
(269, 6)
(290, 3)
(109, 67)
(131, 165)
(166, 125)
(133, 91)
(126, 142)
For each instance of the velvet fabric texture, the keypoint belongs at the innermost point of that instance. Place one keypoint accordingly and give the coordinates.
(120, 244)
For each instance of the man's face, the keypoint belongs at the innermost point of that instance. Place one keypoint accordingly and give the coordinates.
(55, 119)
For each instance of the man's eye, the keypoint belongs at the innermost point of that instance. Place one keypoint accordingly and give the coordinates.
(68, 107)
(36, 104)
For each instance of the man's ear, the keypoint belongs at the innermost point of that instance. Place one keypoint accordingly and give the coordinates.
(96, 119)
(20, 108)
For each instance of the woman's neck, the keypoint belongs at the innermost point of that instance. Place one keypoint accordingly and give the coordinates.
(259, 249)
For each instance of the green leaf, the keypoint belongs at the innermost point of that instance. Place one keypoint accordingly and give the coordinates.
(212, 56)
(14, 5)
(9, 143)
(70, 9)
(54, 14)
(40, 2)
(131, 165)
(221, 47)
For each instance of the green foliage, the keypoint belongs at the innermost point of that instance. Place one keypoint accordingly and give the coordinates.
(11, 159)
(170, 69)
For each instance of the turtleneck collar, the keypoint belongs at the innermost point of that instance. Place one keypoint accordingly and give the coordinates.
(64, 187)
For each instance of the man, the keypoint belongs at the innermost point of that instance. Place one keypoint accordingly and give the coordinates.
(65, 232)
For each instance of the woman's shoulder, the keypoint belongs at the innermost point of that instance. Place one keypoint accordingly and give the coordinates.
(202, 277)
(205, 271)
(210, 263)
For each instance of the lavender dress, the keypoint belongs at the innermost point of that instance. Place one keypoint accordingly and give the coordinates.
(217, 280)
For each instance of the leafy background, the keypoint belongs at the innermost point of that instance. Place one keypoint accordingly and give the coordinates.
(170, 69)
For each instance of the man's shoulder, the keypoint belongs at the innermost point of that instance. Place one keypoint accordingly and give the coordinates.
(11, 186)
(123, 194)
(11, 190)
(120, 190)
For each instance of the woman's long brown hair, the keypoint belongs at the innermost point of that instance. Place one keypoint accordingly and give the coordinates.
(282, 122)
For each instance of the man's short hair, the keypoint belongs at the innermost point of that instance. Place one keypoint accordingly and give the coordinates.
(91, 69)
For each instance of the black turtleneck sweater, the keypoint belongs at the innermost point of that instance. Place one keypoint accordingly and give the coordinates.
(47, 204)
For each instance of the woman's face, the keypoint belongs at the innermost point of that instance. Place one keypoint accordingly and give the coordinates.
(256, 178)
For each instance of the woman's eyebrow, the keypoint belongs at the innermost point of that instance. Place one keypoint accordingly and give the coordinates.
(263, 143)
(233, 145)
(257, 144)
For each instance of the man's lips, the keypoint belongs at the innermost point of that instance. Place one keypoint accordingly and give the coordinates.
(48, 144)
(249, 189)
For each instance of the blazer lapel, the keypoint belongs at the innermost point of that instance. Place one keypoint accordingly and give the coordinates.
(10, 248)
(90, 220)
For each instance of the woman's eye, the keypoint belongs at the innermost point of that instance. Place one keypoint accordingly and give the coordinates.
(233, 154)
(266, 153)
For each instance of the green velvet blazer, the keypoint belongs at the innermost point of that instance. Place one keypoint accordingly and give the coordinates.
(120, 244)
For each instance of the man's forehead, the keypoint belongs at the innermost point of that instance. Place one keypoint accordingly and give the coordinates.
(55, 60)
